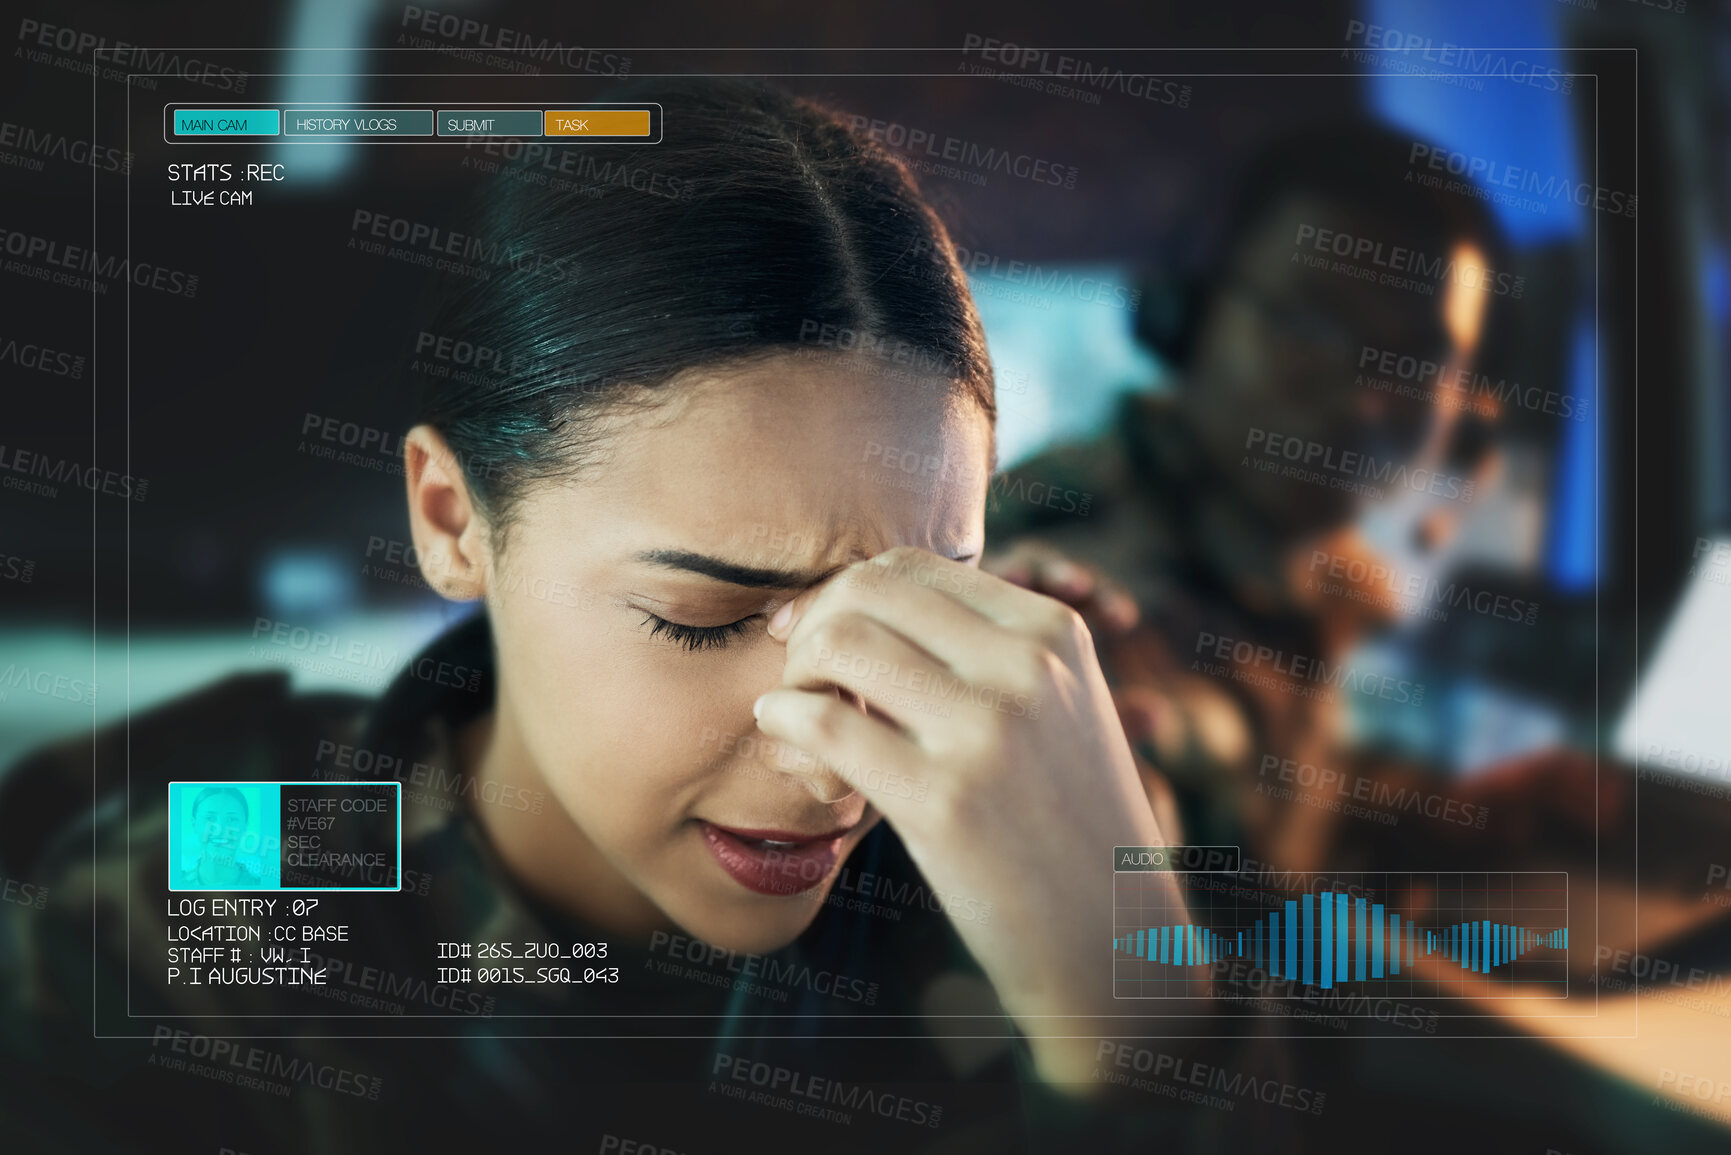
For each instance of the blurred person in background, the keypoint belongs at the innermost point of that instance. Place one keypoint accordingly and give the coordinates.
(1236, 520)
(1250, 528)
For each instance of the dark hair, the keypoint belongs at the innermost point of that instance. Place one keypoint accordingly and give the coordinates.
(760, 223)
(1358, 165)
(213, 792)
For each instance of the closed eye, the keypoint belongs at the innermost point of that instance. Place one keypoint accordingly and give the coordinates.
(696, 637)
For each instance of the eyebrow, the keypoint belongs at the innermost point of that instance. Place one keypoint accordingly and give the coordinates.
(732, 572)
(740, 575)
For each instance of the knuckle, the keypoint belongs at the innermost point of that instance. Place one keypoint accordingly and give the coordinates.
(818, 723)
(950, 800)
(1061, 627)
(838, 633)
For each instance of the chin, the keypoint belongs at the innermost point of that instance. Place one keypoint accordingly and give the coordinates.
(759, 932)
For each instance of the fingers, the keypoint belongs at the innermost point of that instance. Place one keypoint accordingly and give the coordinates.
(957, 613)
(865, 752)
(894, 677)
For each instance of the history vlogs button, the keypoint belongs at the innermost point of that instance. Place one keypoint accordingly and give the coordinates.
(598, 122)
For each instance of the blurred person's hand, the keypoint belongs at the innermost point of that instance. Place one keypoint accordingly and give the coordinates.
(1108, 608)
(1026, 781)
(1036, 566)
(1555, 796)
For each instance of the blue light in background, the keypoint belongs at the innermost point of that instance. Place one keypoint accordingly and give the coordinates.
(1574, 545)
(1716, 421)
(1062, 355)
(326, 38)
(1525, 125)
(307, 585)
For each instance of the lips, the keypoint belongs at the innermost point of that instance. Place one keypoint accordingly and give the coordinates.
(778, 862)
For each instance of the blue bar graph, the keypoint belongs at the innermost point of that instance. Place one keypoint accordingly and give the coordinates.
(1376, 940)
(1358, 958)
(1291, 925)
(1355, 939)
(1340, 937)
(1327, 940)
(1309, 934)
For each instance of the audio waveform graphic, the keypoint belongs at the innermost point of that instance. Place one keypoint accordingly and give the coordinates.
(1431, 934)
(1314, 942)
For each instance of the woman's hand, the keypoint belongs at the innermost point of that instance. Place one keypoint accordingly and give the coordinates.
(989, 698)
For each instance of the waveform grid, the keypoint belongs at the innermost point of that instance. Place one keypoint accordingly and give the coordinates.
(1322, 930)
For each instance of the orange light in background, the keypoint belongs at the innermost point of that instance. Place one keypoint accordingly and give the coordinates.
(1464, 305)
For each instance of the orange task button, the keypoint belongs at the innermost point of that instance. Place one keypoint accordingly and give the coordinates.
(597, 122)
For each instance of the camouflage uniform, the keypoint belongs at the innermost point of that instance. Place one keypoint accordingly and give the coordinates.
(463, 1065)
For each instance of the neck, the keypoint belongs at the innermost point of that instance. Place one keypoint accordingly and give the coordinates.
(547, 853)
(212, 873)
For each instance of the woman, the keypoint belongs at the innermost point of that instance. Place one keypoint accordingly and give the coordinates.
(738, 673)
(219, 819)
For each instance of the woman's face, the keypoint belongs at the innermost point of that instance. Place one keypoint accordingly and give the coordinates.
(219, 821)
(630, 608)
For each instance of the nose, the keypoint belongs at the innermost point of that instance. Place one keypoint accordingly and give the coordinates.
(825, 784)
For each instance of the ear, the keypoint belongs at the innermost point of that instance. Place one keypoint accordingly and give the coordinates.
(451, 541)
